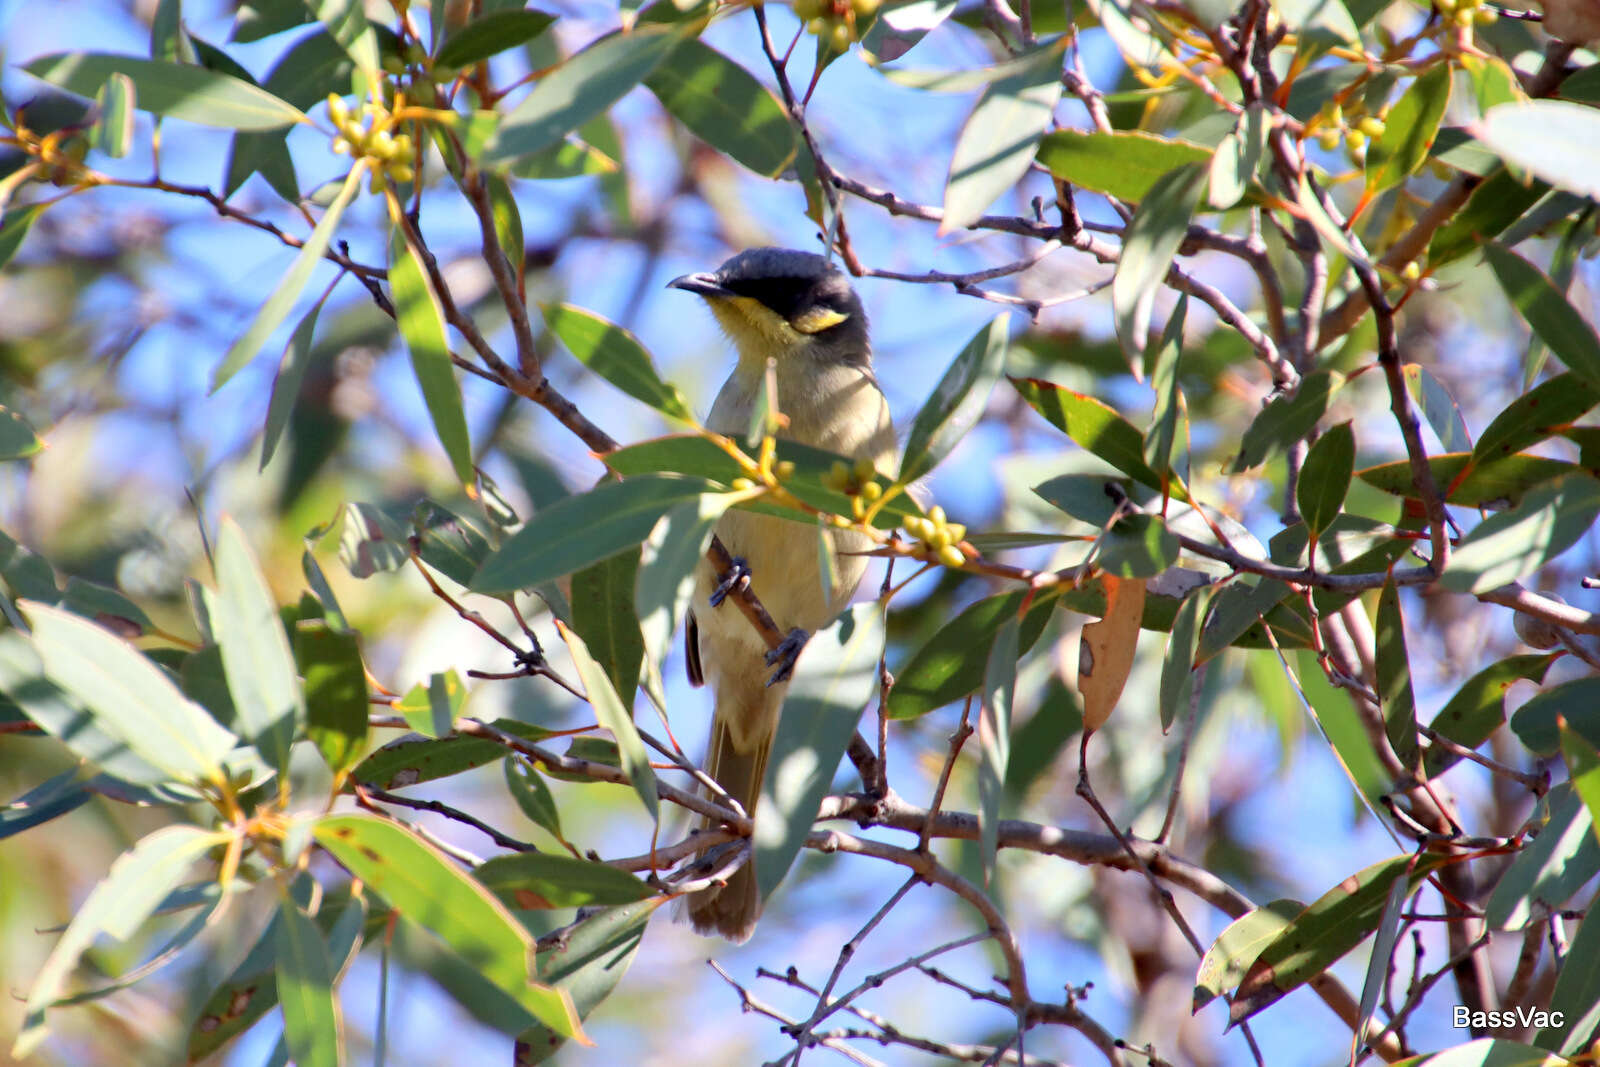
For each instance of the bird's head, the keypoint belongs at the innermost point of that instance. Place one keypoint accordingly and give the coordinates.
(784, 304)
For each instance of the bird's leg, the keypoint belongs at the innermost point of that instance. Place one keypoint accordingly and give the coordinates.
(785, 654)
(736, 577)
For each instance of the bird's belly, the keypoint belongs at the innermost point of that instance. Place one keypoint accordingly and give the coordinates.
(786, 568)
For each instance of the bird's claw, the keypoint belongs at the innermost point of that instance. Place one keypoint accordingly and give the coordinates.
(783, 657)
(736, 577)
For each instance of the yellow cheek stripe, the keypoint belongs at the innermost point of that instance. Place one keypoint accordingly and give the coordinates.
(817, 319)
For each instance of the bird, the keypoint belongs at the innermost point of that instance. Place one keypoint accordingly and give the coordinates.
(800, 311)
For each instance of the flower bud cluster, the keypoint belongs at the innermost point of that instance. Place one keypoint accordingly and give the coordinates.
(838, 22)
(940, 538)
(365, 134)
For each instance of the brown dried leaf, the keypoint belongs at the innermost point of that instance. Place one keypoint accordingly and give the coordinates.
(1105, 652)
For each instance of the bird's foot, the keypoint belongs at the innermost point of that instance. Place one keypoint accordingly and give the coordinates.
(736, 577)
(783, 657)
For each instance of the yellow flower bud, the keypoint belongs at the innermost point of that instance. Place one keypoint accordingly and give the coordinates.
(784, 469)
(936, 515)
(1483, 16)
(872, 491)
(338, 110)
(957, 532)
(842, 522)
(838, 475)
(401, 172)
(1356, 140)
(865, 9)
(940, 539)
(743, 483)
(864, 469)
(842, 36)
(951, 556)
(1411, 272)
(1328, 139)
(1371, 127)
(816, 26)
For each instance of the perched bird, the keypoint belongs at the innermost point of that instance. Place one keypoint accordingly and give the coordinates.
(799, 310)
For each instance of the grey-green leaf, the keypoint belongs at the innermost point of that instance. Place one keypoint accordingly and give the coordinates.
(957, 401)
(583, 529)
(171, 90)
(1153, 238)
(998, 141)
(725, 106)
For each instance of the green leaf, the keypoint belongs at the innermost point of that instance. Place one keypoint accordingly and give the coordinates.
(414, 759)
(49, 800)
(581, 88)
(999, 138)
(449, 543)
(336, 692)
(1287, 418)
(421, 323)
(287, 291)
(1576, 998)
(138, 881)
(957, 401)
(1548, 138)
(528, 789)
(537, 880)
(1328, 17)
(1554, 866)
(1470, 484)
(507, 223)
(572, 158)
(262, 679)
(1409, 130)
(1325, 477)
(17, 439)
(372, 540)
(617, 356)
(603, 614)
(944, 670)
(1478, 708)
(1341, 726)
(1230, 956)
(666, 581)
(1132, 37)
(428, 889)
(304, 979)
(610, 713)
(130, 698)
(1509, 545)
(62, 716)
(1583, 769)
(14, 227)
(1394, 677)
(1578, 701)
(113, 130)
(1163, 373)
(171, 90)
(994, 738)
(346, 22)
(723, 105)
(1495, 204)
(1138, 546)
(1177, 666)
(1381, 958)
(286, 384)
(899, 28)
(1095, 426)
(1124, 164)
(1238, 159)
(1438, 407)
(431, 709)
(832, 683)
(1334, 924)
(587, 965)
(1152, 239)
(1541, 413)
(490, 34)
(584, 529)
(1236, 608)
(1556, 322)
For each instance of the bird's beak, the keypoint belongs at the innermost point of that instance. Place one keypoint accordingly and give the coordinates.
(702, 283)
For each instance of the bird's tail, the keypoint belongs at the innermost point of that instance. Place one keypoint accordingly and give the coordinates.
(732, 910)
